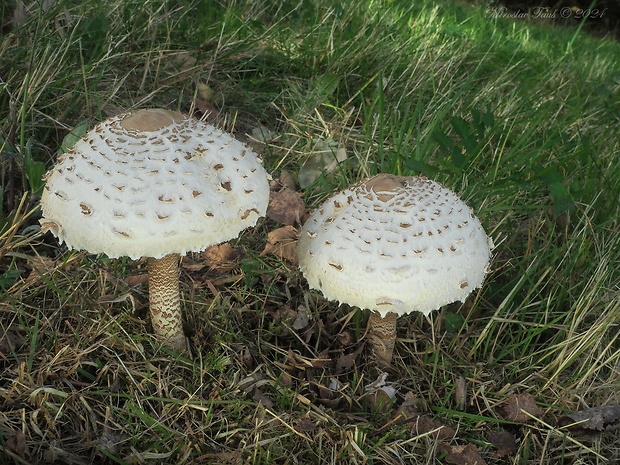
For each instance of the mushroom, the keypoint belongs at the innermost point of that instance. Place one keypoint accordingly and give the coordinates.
(154, 183)
(394, 245)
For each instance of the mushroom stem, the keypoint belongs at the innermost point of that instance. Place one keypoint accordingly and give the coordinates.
(382, 337)
(164, 301)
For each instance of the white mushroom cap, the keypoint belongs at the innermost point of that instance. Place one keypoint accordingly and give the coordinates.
(394, 244)
(151, 183)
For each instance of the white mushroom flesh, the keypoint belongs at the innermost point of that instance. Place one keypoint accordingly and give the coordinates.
(152, 183)
(394, 244)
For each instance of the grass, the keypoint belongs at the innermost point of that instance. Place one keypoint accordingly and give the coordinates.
(518, 117)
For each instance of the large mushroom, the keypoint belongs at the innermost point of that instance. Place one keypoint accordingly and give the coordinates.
(394, 245)
(154, 183)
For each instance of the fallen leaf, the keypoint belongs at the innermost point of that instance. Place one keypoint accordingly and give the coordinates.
(251, 386)
(593, 420)
(345, 338)
(221, 257)
(321, 360)
(11, 340)
(207, 109)
(380, 394)
(137, 279)
(204, 102)
(326, 158)
(221, 458)
(380, 401)
(460, 393)
(191, 265)
(286, 380)
(327, 396)
(17, 444)
(377, 383)
(184, 64)
(520, 408)
(260, 397)
(504, 442)
(427, 425)
(346, 363)
(262, 134)
(409, 413)
(282, 243)
(412, 406)
(305, 425)
(287, 180)
(297, 362)
(461, 455)
(246, 357)
(286, 207)
(205, 92)
(302, 319)
(111, 442)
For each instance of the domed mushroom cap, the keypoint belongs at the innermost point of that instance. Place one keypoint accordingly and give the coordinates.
(153, 182)
(394, 244)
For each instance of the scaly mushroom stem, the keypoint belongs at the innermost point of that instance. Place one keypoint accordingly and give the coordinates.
(382, 337)
(164, 301)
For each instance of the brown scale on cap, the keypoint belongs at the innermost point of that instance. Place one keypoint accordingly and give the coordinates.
(386, 186)
(151, 120)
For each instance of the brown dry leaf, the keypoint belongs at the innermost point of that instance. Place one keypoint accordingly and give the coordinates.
(286, 207)
(302, 319)
(251, 386)
(305, 425)
(282, 243)
(111, 442)
(283, 314)
(322, 359)
(294, 361)
(211, 113)
(17, 444)
(328, 397)
(39, 265)
(260, 397)
(11, 340)
(461, 455)
(204, 102)
(410, 413)
(221, 257)
(192, 265)
(520, 407)
(246, 357)
(223, 458)
(205, 92)
(326, 157)
(593, 420)
(380, 401)
(286, 380)
(504, 442)
(287, 180)
(425, 424)
(412, 406)
(345, 363)
(345, 338)
(460, 393)
(137, 279)
(183, 62)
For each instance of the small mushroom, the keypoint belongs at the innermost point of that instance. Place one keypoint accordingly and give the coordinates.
(154, 183)
(394, 245)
